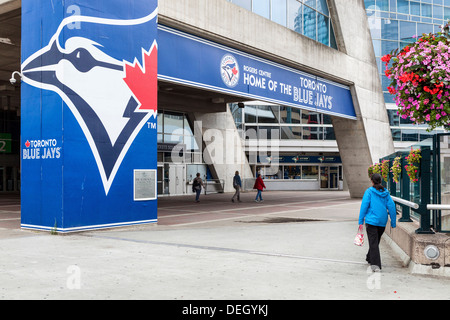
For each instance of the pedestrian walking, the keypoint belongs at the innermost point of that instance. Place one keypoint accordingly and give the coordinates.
(237, 185)
(197, 185)
(375, 205)
(259, 186)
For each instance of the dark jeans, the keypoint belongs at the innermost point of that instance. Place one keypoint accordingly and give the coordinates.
(374, 234)
(197, 194)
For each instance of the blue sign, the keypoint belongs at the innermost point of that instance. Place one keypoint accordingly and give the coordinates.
(89, 107)
(298, 159)
(196, 62)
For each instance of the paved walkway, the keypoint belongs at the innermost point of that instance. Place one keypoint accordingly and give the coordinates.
(294, 245)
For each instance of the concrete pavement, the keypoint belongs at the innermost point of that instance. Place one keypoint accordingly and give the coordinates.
(294, 245)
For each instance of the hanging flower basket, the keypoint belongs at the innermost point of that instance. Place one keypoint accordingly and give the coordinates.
(374, 168)
(412, 168)
(420, 79)
(396, 169)
(385, 170)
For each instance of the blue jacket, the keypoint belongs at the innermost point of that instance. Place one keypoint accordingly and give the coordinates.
(237, 181)
(375, 206)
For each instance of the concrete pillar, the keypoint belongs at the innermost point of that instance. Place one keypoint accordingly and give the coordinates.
(222, 146)
(366, 140)
(88, 129)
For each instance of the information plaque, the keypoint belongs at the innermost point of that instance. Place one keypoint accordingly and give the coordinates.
(144, 185)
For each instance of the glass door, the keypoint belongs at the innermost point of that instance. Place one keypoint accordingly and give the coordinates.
(329, 177)
(177, 179)
(333, 178)
(324, 178)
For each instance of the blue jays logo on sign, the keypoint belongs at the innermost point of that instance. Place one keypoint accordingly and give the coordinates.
(229, 70)
(109, 85)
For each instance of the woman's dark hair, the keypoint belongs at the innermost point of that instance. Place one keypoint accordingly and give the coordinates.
(376, 179)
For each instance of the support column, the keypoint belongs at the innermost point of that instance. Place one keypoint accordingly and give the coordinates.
(366, 140)
(88, 124)
(222, 146)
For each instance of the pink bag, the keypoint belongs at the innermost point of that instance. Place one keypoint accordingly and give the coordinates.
(359, 239)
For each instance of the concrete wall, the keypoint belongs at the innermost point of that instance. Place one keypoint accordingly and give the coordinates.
(360, 142)
(410, 247)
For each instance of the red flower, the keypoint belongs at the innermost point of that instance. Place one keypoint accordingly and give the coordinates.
(392, 90)
(407, 77)
(432, 91)
(404, 51)
(386, 58)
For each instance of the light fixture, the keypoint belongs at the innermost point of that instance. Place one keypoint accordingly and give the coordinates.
(13, 80)
(431, 252)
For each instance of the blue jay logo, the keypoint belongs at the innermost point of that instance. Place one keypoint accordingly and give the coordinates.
(110, 97)
(229, 70)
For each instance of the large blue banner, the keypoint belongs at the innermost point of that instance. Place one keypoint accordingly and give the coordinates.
(196, 62)
(89, 106)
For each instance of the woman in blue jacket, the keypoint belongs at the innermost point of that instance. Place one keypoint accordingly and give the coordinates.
(374, 211)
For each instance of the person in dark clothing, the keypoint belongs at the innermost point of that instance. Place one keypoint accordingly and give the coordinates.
(197, 187)
(259, 185)
(237, 185)
(374, 209)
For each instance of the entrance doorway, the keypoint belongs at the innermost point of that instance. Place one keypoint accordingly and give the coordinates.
(171, 179)
(177, 179)
(330, 177)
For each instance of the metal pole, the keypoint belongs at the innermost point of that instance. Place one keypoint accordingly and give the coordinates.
(392, 185)
(438, 207)
(404, 191)
(425, 190)
(436, 172)
(438, 180)
(405, 202)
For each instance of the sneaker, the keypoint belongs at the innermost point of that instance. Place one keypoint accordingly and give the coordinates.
(256, 200)
(261, 200)
(375, 268)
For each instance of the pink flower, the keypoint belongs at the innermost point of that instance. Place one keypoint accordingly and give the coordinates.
(438, 116)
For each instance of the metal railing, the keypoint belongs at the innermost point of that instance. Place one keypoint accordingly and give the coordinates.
(438, 207)
(405, 202)
(413, 198)
(214, 186)
(421, 200)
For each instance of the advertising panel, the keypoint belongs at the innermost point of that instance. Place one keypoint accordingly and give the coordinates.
(89, 107)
